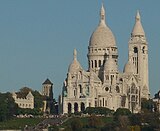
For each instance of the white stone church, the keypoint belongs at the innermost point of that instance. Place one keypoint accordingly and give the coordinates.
(103, 85)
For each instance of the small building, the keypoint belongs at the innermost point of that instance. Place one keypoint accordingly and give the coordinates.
(27, 102)
(47, 91)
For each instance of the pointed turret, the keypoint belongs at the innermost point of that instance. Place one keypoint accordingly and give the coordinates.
(138, 29)
(75, 54)
(102, 16)
(75, 65)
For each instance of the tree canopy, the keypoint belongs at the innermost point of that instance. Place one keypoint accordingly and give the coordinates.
(98, 111)
(122, 111)
(8, 107)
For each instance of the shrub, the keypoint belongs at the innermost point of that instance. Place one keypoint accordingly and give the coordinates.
(76, 124)
(122, 111)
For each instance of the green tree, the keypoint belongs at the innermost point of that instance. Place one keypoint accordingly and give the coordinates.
(98, 111)
(147, 105)
(121, 118)
(95, 122)
(23, 92)
(122, 111)
(110, 127)
(135, 119)
(76, 125)
(8, 107)
(38, 99)
(124, 122)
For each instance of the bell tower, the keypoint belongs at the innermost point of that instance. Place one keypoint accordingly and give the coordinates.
(47, 91)
(138, 54)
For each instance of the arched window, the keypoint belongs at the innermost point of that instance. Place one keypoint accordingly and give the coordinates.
(80, 89)
(100, 103)
(92, 63)
(69, 108)
(75, 107)
(143, 50)
(133, 88)
(80, 75)
(117, 89)
(99, 63)
(105, 102)
(74, 92)
(135, 50)
(95, 103)
(95, 63)
(133, 98)
(82, 106)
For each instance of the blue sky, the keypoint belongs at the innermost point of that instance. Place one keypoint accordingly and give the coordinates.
(37, 38)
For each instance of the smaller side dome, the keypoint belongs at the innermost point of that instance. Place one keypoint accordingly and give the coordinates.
(128, 68)
(75, 65)
(110, 65)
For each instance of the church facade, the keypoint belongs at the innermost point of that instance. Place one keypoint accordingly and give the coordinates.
(103, 85)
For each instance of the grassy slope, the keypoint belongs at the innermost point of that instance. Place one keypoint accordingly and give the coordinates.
(85, 121)
(19, 123)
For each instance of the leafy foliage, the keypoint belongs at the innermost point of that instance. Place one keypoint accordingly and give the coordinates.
(95, 122)
(23, 92)
(8, 107)
(148, 105)
(19, 123)
(76, 125)
(98, 111)
(122, 111)
(38, 99)
(33, 112)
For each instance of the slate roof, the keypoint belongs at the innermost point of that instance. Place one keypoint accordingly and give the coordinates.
(47, 81)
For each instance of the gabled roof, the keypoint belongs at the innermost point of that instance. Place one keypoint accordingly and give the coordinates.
(47, 82)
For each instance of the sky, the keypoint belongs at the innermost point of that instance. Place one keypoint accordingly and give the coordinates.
(37, 38)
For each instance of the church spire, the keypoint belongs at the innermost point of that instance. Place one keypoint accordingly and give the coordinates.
(102, 16)
(138, 17)
(138, 29)
(75, 54)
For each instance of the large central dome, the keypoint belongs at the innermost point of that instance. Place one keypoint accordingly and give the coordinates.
(102, 36)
